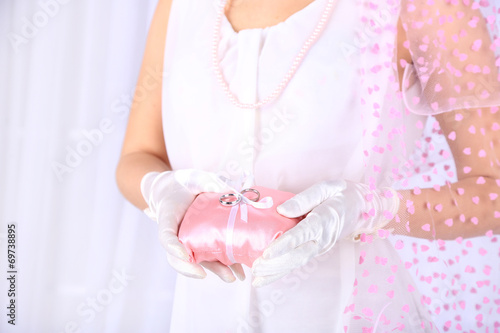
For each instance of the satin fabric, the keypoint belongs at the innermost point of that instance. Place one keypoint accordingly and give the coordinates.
(209, 230)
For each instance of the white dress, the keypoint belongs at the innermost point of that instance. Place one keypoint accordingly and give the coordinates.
(311, 133)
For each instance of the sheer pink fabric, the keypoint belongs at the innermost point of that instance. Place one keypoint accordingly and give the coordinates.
(448, 179)
(453, 52)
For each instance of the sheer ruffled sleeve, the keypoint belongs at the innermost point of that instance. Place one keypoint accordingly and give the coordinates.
(453, 45)
(437, 143)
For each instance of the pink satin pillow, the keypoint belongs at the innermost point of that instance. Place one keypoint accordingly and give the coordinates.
(211, 231)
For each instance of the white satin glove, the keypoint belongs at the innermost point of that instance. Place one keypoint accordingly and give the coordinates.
(337, 209)
(169, 195)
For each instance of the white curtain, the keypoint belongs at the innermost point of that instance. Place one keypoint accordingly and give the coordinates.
(86, 260)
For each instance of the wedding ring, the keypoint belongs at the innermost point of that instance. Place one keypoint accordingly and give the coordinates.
(230, 199)
(251, 190)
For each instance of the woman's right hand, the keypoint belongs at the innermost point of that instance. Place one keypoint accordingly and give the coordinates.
(169, 195)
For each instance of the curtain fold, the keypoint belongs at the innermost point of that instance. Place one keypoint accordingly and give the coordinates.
(87, 261)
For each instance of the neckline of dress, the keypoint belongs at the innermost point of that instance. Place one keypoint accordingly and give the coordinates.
(287, 20)
(310, 41)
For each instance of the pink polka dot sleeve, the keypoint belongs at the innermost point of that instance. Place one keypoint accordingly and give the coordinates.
(453, 52)
(438, 143)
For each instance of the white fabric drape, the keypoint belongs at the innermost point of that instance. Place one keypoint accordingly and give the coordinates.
(87, 260)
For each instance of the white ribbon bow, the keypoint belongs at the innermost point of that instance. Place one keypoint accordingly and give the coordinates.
(264, 203)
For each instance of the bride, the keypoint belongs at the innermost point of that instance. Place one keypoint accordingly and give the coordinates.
(326, 99)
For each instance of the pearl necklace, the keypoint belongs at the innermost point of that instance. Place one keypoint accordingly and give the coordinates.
(288, 76)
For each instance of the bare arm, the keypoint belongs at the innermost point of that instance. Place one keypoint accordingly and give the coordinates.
(144, 148)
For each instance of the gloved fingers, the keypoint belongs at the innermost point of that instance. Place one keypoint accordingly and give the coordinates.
(173, 246)
(186, 268)
(309, 229)
(219, 269)
(168, 228)
(150, 214)
(238, 271)
(307, 200)
(198, 181)
(261, 281)
(298, 257)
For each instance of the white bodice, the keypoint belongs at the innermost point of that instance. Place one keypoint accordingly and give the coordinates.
(312, 130)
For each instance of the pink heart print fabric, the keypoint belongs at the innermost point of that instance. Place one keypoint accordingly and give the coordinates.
(448, 176)
(454, 63)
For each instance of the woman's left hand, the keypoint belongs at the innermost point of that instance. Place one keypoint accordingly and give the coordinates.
(337, 209)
